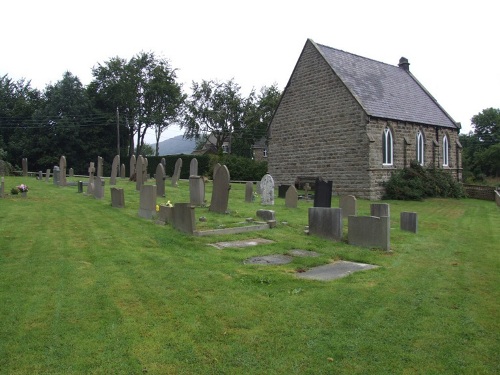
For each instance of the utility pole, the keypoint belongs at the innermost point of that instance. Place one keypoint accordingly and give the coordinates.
(118, 136)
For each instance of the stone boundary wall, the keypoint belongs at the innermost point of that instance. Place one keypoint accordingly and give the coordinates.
(486, 193)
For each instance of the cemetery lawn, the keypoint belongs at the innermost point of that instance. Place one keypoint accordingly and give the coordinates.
(90, 289)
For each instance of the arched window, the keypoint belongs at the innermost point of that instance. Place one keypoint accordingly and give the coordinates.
(445, 151)
(420, 148)
(387, 147)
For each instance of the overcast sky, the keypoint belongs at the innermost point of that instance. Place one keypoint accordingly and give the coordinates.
(452, 46)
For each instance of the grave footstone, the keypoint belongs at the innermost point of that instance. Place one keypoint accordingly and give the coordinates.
(323, 193)
(160, 180)
(249, 192)
(409, 221)
(267, 188)
(139, 173)
(196, 190)
(220, 190)
(25, 167)
(326, 222)
(114, 170)
(291, 197)
(349, 206)
(193, 167)
(177, 172)
(147, 202)
(117, 197)
(132, 165)
(62, 171)
(184, 219)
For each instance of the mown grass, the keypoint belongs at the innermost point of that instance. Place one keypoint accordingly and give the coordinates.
(86, 288)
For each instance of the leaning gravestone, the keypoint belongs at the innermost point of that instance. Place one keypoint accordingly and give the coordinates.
(147, 203)
(193, 167)
(133, 162)
(220, 190)
(114, 170)
(25, 167)
(160, 180)
(326, 222)
(90, 186)
(323, 193)
(249, 192)
(98, 187)
(117, 197)
(99, 166)
(267, 188)
(177, 172)
(139, 173)
(62, 171)
(196, 190)
(349, 206)
(291, 197)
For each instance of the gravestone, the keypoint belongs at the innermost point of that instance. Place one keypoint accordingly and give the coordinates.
(132, 165)
(99, 166)
(2, 186)
(47, 175)
(282, 190)
(145, 163)
(380, 210)
(196, 190)
(80, 186)
(369, 231)
(147, 202)
(164, 163)
(71, 172)
(249, 192)
(98, 187)
(349, 205)
(216, 168)
(139, 173)
(114, 170)
(257, 188)
(409, 221)
(326, 222)
(267, 188)
(40, 175)
(291, 197)
(177, 172)
(90, 186)
(323, 193)
(183, 218)
(266, 215)
(165, 215)
(25, 167)
(117, 197)
(122, 171)
(62, 171)
(56, 175)
(220, 190)
(160, 180)
(193, 167)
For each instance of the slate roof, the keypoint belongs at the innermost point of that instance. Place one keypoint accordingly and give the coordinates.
(386, 91)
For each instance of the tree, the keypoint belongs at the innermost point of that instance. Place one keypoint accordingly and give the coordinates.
(214, 109)
(487, 126)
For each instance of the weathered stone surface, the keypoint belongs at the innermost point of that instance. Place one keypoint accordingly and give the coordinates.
(242, 243)
(62, 171)
(303, 253)
(409, 221)
(98, 187)
(326, 222)
(369, 231)
(117, 197)
(249, 192)
(160, 180)
(267, 190)
(266, 215)
(220, 190)
(291, 197)
(196, 190)
(147, 202)
(334, 271)
(275, 259)
(349, 205)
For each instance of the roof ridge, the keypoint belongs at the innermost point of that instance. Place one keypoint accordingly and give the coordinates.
(354, 54)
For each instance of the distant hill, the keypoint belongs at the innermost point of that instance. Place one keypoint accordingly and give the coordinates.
(176, 145)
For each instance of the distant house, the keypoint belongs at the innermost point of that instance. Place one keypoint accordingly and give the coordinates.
(353, 120)
(259, 150)
(209, 146)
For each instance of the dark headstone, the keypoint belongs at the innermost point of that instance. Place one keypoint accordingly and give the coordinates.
(323, 193)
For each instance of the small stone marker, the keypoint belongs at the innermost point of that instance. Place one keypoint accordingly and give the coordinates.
(323, 193)
(380, 210)
(25, 167)
(267, 188)
(266, 215)
(220, 190)
(326, 222)
(62, 171)
(47, 175)
(183, 219)
(177, 172)
(409, 221)
(117, 197)
(98, 187)
(139, 175)
(291, 197)
(349, 205)
(133, 162)
(147, 202)
(196, 190)
(114, 170)
(193, 167)
(160, 180)
(249, 192)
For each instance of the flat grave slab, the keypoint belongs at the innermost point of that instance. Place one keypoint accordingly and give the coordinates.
(335, 270)
(269, 259)
(303, 253)
(242, 243)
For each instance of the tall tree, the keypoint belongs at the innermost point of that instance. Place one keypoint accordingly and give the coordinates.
(214, 109)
